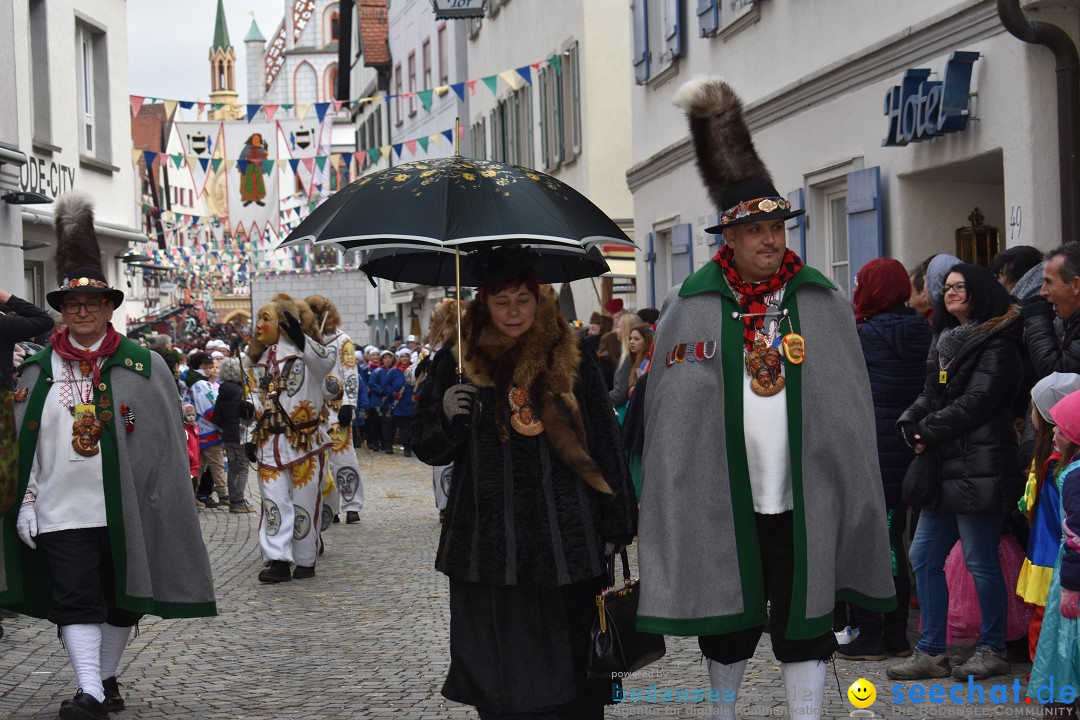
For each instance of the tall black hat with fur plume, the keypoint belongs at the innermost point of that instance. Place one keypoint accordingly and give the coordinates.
(738, 182)
(78, 257)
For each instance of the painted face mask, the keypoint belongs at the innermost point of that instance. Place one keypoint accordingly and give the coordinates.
(266, 325)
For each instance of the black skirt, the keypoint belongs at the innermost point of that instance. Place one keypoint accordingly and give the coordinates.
(514, 649)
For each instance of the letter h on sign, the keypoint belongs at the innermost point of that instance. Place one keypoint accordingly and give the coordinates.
(919, 109)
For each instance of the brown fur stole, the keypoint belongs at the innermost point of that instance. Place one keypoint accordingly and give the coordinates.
(545, 361)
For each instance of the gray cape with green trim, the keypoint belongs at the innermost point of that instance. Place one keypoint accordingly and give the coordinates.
(698, 548)
(158, 552)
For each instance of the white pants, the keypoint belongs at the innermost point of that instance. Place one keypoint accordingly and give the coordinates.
(289, 527)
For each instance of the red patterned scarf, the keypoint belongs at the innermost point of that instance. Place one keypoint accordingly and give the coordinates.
(63, 347)
(752, 295)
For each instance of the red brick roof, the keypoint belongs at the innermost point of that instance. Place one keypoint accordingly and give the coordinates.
(374, 32)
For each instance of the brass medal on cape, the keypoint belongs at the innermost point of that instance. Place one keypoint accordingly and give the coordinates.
(522, 418)
(86, 431)
(765, 367)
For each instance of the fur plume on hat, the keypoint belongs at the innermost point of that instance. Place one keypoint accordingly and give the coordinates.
(76, 241)
(326, 313)
(725, 151)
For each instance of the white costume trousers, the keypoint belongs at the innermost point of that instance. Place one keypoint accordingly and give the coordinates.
(289, 529)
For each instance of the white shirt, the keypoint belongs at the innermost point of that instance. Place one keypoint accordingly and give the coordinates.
(69, 487)
(768, 454)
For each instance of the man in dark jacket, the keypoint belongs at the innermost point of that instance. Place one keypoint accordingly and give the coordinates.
(1053, 349)
(227, 414)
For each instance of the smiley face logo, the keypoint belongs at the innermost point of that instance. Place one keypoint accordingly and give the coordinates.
(862, 693)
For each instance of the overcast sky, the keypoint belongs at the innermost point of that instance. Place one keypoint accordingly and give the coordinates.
(169, 43)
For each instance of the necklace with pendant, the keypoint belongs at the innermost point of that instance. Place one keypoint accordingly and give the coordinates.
(86, 428)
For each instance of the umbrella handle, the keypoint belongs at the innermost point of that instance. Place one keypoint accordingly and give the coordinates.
(457, 306)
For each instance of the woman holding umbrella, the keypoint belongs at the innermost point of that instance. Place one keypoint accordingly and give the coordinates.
(540, 493)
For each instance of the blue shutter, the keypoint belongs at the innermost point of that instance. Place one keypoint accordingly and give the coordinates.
(864, 219)
(682, 254)
(708, 13)
(673, 29)
(639, 10)
(714, 242)
(650, 262)
(796, 226)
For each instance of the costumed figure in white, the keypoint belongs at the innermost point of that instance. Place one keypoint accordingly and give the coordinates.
(289, 443)
(108, 529)
(344, 488)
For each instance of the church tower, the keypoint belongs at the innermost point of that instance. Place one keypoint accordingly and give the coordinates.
(223, 71)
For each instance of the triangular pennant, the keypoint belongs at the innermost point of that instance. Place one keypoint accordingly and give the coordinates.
(459, 90)
(492, 83)
(556, 62)
(267, 166)
(294, 163)
(510, 78)
(411, 145)
(252, 110)
(270, 110)
(320, 161)
(425, 99)
(320, 110)
(187, 104)
(170, 108)
(216, 164)
(204, 162)
(135, 155)
(202, 107)
(397, 148)
(526, 73)
(346, 158)
(535, 66)
(337, 105)
(423, 143)
(302, 110)
(449, 135)
(373, 155)
(309, 163)
(286, 106)
(178, 160)
(149, 156)
(361, 158)
(136, 104)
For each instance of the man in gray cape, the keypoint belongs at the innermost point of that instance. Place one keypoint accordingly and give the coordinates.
(106, 531)
(775, 496)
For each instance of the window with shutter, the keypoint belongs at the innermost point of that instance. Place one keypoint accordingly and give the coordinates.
(864, 222)
(708, 12)
(682, 252)
(571, 105)
(796, 226)
(672, 30)
(639, 10)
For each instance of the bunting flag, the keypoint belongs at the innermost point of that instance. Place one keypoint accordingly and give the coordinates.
(320, 110)
(170, 108)
(459, 90)
(510, 78)
(526, 74)
(423, 144)
(492, 83)
(302, 110)
(270, 110)
(374, 154)
(136, 104)
(252, 111)
(411, 145)
(472, 86)
(425, 99)
(556, 62)
(397, 148)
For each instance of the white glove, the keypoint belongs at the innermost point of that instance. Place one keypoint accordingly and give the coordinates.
(26, 523)
(18, 356)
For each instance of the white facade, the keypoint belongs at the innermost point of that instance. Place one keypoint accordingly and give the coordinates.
(814, 79)
(66, 125)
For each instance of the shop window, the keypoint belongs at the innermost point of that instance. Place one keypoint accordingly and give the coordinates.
(977, 243)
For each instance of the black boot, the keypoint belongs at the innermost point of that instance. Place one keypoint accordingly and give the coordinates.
(83, 707)
(277, 571)
(352, 517)
(114, 701)
(896, 621)
(301, 572)
(869, 645)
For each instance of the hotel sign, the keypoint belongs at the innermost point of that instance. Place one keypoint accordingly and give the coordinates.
(458, 8)
(919, 109)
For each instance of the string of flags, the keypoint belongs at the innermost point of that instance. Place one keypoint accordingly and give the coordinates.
(514, 78)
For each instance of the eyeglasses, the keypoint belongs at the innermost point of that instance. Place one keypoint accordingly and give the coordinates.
(960, 288)
(72, 308)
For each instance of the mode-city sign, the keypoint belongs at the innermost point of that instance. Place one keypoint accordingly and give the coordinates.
(919, 109)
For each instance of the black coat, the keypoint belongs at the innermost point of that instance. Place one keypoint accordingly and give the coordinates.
(969, 420)
(227, 410)
(28, 321)
(1049, 351)
(516, 515)
(894, 345)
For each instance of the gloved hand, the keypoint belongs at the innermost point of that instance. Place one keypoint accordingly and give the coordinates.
(1035, 306)
(344, 416)
(18, 356)
(291, 326)
(1070, 603)
(249, 451)
(458, 400)
(26, 523)
(246, 411)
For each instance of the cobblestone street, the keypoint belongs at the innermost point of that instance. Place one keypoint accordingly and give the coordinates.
(366, 638)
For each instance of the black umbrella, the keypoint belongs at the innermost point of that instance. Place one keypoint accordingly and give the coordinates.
(455, 201)
(437, 266)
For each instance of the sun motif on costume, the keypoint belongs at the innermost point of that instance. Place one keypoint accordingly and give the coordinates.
(341, 437)
(348, 354)
(267, 473)
(303, 472)
(305, 419)
(328, 486)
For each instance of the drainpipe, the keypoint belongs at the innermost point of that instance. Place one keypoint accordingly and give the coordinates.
(1068, 102)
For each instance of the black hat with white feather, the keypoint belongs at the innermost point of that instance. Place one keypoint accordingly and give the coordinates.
(78, 257)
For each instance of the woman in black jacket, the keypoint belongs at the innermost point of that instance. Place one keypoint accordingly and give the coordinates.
(540, 493)
(964, 414)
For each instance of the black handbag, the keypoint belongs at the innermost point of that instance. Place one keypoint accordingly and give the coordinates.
(615, 644)
(922, 481)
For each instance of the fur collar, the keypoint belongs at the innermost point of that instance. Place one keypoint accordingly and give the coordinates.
(545, 361)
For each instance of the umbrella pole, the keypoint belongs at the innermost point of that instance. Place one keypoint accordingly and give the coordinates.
(457, 305)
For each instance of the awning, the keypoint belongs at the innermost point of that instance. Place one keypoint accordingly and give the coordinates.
(102, 228)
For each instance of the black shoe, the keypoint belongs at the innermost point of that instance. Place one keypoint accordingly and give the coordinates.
(407, 453)
(897, 645)
(389, 451)
(300, 572)
(864, 647)
(209, 502)
(83, 707)
(321, 546)
(352, 517)
(277, 571)
(114, 701)
(337, 519)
